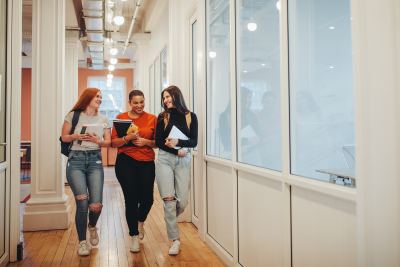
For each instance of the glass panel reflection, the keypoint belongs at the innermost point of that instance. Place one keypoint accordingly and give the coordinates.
(218, 79)
(321, 86)
(164, 68)
(258, 81)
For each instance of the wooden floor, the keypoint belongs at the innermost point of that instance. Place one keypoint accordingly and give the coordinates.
(59, 247)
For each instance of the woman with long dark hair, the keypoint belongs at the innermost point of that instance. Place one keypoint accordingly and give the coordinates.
(85, 173)
(134, 166)
(173, 165)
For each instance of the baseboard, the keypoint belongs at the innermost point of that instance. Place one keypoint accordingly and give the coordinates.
(220, 251)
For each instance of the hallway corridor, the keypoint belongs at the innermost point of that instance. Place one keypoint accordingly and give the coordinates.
(58, 247)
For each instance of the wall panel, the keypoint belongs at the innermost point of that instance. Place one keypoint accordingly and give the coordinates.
(219, 205)
(196, 186)
(323, 230)
(261, 221)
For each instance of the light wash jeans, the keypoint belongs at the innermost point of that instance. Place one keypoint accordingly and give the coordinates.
(173, 180)
(85, 176)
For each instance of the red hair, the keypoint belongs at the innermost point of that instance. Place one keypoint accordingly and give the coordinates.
(84, 100)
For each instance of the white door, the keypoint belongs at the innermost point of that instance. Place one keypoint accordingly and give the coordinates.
(4, 163)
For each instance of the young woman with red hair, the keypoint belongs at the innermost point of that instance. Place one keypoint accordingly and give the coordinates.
(85, 172)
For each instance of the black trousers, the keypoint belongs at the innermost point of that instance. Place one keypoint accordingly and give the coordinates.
(137, 182)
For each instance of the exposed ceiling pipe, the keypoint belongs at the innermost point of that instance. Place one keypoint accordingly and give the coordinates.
(131, 27)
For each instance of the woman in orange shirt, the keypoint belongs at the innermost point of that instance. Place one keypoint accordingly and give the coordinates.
(134, 167)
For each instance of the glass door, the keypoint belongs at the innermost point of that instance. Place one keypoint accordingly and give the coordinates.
(3, 65)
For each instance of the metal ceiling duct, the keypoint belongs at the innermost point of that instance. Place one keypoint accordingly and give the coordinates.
(131, 27)
(93, 13)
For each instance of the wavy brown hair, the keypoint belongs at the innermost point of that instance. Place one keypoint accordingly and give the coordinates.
(177, 100)
(84, 100)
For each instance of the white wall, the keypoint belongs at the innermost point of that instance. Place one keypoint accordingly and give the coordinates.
(159, 34)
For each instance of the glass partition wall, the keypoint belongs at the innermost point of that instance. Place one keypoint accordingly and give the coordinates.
(321, 87)
(320, 100)
(218, 79)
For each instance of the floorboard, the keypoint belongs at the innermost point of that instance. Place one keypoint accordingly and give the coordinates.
(59, 247)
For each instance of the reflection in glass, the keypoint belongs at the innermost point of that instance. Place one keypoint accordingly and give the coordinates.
(164, 67)
(218, 79)
(258, 82)
(321, 86)
(3, 54)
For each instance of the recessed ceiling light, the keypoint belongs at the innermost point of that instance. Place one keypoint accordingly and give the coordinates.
(110, 76)
(212, 54)
(245, 71)
(331, 28)
(278, 5)
(263, 64)
(331, 67)
(113, 61)
(111, 67)
(252, 27)
(108, 84)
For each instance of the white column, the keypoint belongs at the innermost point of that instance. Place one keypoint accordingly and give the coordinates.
(48, 207)
(174, 43)
(376, 42)
(144, 71)
(71, 79)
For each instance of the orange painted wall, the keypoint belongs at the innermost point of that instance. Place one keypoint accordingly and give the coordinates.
(26, 96)
(83, 75)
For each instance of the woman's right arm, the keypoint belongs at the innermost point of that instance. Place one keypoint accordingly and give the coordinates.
(118, 142)
(67, 137)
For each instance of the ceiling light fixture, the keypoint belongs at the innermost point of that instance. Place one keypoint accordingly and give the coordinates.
(252, 26)
(278, 5)
(331, 28)
(110, 76)
(113, 61)
(212, 54)
(111, 67)
(245, 71)
(263, 64)
(331, 67)
(108, 84)
(119, 20)
(113, 51)
(109, 80)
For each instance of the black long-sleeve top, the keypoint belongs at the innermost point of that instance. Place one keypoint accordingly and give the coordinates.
(179, 120)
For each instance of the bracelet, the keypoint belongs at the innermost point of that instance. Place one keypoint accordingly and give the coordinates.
(123, 138)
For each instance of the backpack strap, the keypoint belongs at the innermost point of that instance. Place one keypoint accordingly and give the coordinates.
(75, 120)
(187, 116)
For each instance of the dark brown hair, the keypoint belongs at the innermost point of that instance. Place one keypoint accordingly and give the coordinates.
(135, 93)
(177, 100)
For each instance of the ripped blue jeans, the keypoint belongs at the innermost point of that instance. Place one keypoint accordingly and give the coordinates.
(173, 180)
(85, 176)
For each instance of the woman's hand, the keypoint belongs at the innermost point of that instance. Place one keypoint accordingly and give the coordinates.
(183, 152)
(93, 138)
(82, 137)
(132, 136)
(171, 142)
(139, 142)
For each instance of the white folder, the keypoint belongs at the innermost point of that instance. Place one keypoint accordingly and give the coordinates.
(177, 134)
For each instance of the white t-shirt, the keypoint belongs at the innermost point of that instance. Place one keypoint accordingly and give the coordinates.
(85, 119)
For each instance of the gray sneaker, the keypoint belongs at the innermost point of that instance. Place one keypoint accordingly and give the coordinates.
(175, 248)
(82, 249)
(94, 236)
(135, 246)
(141, 230)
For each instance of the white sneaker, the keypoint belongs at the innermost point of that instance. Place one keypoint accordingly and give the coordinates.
(135, 247)
(94, 236)
(175, 248)
(82, 249)
(141, 230)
